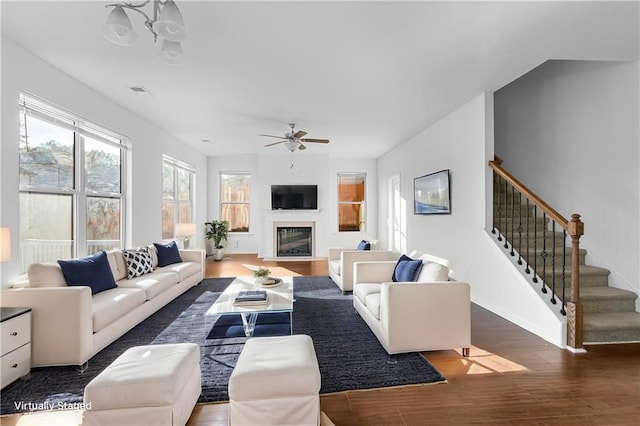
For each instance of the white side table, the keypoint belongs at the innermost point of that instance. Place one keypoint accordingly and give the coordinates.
(15, 344)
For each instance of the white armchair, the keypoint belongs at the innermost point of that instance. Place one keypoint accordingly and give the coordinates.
(425, 315)
(341, 262)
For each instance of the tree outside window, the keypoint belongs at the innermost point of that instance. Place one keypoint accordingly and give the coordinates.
(234, 200)
(351, 202)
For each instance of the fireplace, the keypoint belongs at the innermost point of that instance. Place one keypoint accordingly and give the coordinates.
(292, 239)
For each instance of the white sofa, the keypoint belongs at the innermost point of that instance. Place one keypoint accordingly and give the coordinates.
(429, 314)
(70, 325)
(341, 260)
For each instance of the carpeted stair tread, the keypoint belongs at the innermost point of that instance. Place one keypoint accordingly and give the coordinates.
(584, 269)
(612, 321)
(593, 293)
(557, 251)
(611, 327)
(607, 299)
(590, 276)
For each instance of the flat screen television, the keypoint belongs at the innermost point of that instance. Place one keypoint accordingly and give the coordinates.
(294, 197)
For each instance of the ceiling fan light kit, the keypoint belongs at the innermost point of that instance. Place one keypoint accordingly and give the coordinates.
(167, 22)
(291, 145)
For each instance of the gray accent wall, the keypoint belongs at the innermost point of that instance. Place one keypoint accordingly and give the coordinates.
(570, 131)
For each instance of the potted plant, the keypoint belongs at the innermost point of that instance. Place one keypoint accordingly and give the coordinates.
(262, 275)
(217, 231)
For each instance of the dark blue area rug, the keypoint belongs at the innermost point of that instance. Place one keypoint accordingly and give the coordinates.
(349, 355)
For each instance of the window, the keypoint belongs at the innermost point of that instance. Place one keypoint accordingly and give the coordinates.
(178, 189)
(234, 200)
(351, 202)
(71, 190)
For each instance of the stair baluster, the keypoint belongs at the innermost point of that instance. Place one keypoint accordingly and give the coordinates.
(543, 254)
(553, 263)
(563, 311)
(500, 205)
(535, 243)
(527, 269)
(513, 206)
(519, 227)
(506, 240)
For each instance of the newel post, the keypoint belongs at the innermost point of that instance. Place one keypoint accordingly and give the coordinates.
(574, 307)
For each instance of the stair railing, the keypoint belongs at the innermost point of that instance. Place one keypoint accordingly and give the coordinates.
(511, 227)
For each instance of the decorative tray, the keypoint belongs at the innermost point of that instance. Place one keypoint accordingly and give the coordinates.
(274, 282)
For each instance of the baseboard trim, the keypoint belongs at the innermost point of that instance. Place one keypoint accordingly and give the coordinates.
(292, 259)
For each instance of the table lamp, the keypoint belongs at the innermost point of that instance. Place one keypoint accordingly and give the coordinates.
(184, 231)
(5, 244)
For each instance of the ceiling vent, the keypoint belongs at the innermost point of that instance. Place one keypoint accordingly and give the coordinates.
(140, 91)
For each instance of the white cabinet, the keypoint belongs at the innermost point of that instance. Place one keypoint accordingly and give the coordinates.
(15, 343)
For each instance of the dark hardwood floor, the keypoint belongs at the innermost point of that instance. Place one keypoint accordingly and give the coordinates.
(511, 378)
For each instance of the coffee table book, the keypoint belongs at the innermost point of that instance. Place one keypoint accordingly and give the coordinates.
(251, 297)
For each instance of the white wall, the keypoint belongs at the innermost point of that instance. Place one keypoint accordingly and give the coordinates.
(274, 168)
(570, 131)
(462, 142)
(22, 71)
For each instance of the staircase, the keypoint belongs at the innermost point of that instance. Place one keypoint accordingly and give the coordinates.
(609, 313)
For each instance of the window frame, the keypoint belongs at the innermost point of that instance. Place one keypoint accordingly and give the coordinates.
(32, 106)
(363, 203)
(237, 203)
(179, 165)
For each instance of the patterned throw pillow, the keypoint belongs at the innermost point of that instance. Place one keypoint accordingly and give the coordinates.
(138, 262)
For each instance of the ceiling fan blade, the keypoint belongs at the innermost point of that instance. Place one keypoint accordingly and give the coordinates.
(301, 146)
(275, 143)
(271, 136)
(299, 134)
(315, 140)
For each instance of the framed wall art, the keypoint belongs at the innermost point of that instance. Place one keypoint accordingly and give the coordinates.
(431, 193)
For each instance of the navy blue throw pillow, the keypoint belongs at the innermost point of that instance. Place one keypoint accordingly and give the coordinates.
(168, 254)
(364, 245)
(93, 271)
(406, 269)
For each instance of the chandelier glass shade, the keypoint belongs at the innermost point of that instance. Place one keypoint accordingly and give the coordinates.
(170, 52)
(166, 22)
(118, 28)
(170, 24)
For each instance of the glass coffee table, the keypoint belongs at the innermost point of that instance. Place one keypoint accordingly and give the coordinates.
(279, 300)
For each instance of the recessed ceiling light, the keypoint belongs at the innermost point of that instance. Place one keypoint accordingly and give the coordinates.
(141, 91)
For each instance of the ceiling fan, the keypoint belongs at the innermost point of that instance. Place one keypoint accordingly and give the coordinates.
(294, 140)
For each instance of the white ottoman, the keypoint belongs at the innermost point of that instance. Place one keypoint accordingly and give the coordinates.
(146, 385)
(276, 381)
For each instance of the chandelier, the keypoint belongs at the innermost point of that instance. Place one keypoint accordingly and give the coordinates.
(167, 23)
